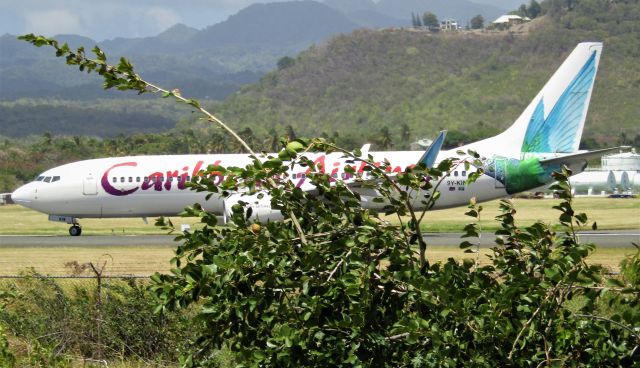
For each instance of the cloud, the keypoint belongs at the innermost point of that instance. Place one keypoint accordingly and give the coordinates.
(106, 19)
(52, 22)
(159, 19)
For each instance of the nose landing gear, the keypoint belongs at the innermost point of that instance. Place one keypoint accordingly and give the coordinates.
(74, 230)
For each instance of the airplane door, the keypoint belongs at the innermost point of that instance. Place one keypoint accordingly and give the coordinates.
(89, 185)
(501, 172)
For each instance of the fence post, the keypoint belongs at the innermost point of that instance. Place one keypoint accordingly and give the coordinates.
(98, 272)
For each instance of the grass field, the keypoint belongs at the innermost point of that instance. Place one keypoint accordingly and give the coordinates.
(608, 257)
(138, 261)
(609, 213)
(144, 261)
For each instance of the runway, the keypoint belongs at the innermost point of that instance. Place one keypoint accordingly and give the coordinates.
(614, 238)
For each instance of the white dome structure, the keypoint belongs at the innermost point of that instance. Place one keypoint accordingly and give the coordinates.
(622, 181)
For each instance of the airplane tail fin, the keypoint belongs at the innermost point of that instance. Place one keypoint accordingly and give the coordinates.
(554, 120)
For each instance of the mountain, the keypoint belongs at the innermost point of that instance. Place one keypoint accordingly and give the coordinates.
(214, 62)
(284, 24)
(373, 19)
(348, 6)
(210, 63)
(178, 33)
(472, 83)
(72, 120)
(164, 43)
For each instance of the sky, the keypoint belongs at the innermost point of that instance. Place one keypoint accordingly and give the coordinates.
(108, 19)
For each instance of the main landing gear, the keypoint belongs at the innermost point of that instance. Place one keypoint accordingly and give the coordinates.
(75, 230)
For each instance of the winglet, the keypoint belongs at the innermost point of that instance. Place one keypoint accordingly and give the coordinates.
(430, 155)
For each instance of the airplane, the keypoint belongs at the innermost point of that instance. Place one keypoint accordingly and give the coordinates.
(545, 137)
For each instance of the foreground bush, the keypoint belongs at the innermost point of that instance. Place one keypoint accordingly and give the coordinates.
(335, 285)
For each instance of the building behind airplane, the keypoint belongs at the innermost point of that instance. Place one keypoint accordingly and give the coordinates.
(545, 137)
(618, 174)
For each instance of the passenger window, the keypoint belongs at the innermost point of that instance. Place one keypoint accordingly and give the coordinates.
(188, 178)
(455, 173)
(137, 179)
(47, 179)
(55, 178)
(122, 179)
(130, 180)
(115, 179)
(146, 179)
(464, 173)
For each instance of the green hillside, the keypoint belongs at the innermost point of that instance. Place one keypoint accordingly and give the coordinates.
(414, 83)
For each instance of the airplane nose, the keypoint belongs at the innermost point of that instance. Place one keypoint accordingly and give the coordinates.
(23, 195)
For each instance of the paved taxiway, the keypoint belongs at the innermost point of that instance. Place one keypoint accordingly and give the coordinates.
(620, 238)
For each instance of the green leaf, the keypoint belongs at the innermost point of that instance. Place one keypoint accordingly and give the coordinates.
(615, 283)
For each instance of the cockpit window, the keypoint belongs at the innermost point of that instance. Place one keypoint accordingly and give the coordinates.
(47, 179)
(40, 178)
(55, 178)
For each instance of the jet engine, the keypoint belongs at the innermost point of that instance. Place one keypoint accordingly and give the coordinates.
(257, 207)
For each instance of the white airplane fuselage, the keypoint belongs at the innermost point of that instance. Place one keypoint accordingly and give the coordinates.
(141, 186)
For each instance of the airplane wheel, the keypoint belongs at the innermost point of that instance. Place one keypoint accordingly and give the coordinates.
(75, 230)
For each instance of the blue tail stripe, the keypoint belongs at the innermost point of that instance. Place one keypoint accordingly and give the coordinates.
(559, 131)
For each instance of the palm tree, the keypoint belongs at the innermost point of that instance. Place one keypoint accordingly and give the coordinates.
(384, 139)
(290, 133)
(274, 142)
(405, 134)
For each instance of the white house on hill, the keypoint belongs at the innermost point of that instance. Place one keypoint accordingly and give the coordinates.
(449, 25)
(509, 19)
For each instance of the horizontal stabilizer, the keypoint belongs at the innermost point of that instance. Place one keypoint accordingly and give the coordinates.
(582, 156)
